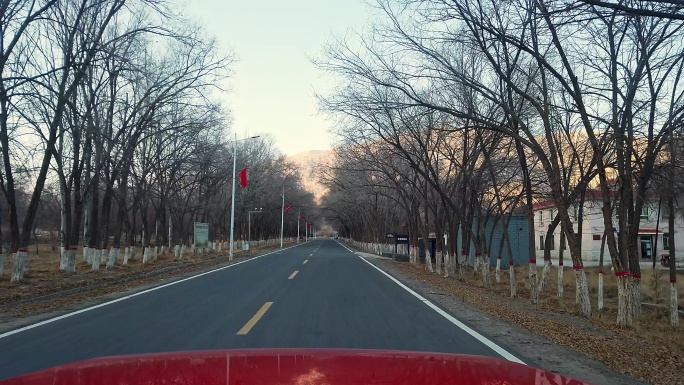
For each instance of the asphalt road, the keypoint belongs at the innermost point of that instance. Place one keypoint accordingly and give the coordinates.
(315, 295)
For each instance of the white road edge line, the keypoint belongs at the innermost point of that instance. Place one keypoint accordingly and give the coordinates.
(50, 320)
(484, 340)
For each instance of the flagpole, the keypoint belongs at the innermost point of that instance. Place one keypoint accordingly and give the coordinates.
(299, 219)
(232, 203)
(232, 198)
(282, 219)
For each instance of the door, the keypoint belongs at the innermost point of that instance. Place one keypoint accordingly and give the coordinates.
(646, 247)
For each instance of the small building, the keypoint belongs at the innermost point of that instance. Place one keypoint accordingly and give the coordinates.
(654, 232)
(518, 234)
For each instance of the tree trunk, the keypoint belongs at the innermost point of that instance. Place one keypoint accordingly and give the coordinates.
(485, 271)
(511, 267)
(583, 290)
(624, 315)
(674, 309)
(561, 251)
(19, 266)
(600, 287)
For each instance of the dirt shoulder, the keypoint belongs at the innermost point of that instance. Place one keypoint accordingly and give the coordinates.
(55, 294)
(560, 343)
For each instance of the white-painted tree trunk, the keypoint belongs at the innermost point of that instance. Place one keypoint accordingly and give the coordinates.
(497, 274)
(103, 256)
(176, 251)
(544, 278)
(447, 264)
(113, 257)
(63, 258)
(674, 310)
(533, 281)
(461, 267)
(146, 254)
(511, 279)
(438, 262)
(86, 254)
(161, 250)
(428, 261)
(19, 266)
(155, 254)
(70, 266)
(600, 291)
(583, 291)
(476, 264)
(95, 258)
(127, 254)
(624, 315)
(485, 271)
(560, 281)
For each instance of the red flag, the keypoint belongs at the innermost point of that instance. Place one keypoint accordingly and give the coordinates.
(243, 178)
(287, 208)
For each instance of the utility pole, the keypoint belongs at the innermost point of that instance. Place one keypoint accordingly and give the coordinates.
(282, 219)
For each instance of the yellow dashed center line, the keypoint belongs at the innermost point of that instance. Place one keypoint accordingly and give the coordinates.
(250, 324)
(293, 274)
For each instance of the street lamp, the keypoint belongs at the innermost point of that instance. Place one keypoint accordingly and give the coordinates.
(249, 225)
(232, 205)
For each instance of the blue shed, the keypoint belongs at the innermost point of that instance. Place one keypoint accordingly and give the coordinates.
(518, 233)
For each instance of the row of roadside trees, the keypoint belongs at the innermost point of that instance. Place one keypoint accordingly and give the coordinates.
(111, 133)
(459, 111)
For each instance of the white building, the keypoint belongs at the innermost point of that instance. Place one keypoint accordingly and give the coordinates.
(652, 230)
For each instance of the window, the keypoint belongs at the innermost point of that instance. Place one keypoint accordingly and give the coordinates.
(644, 212)
(541, 242)
(541, 216)
(553, 242)
(666, 241)
(596, 237)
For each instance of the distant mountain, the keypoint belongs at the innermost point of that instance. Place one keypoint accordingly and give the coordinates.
(310, 163)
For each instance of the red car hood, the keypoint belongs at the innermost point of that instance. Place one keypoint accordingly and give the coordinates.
(293, 367)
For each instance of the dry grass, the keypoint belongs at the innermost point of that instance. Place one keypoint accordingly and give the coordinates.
(44, 277)
(650, 350)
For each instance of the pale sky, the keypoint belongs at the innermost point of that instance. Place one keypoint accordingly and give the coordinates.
(272, 90)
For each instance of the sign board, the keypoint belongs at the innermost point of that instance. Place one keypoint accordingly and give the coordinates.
(201, 235)
(432, 235)
(390, 235)
(402, 239)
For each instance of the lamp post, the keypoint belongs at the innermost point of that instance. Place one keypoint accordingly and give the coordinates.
(249, 226)
(299, 219)
(232, 205)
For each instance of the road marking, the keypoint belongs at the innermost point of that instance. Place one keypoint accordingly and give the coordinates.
(50, 320)
(305, 261)
(484, 340)
(250, 324)
(293, 274)
(310, 254)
